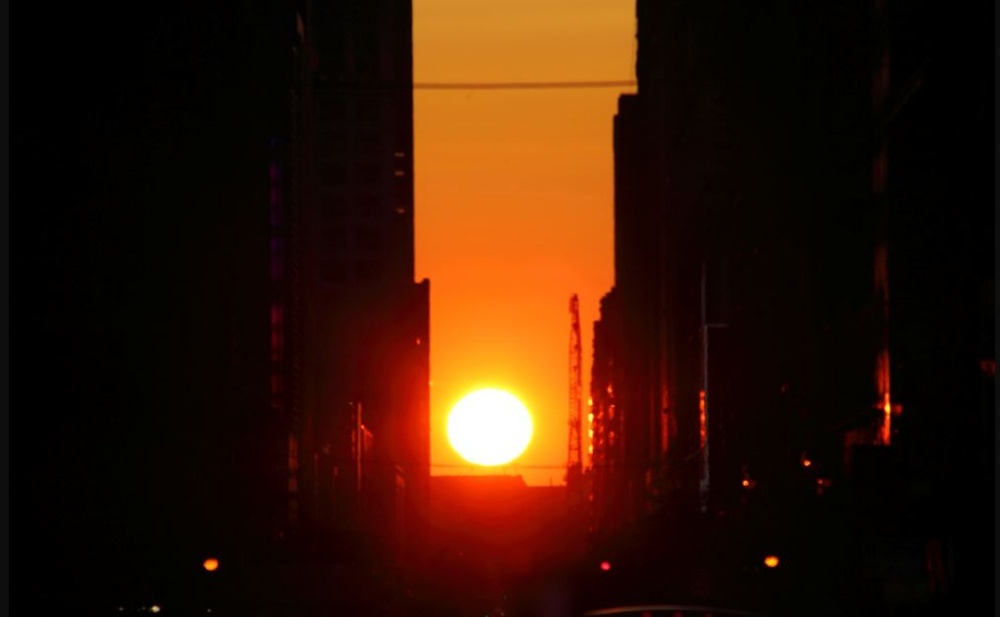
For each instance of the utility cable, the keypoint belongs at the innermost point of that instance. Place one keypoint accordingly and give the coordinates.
(524, 85)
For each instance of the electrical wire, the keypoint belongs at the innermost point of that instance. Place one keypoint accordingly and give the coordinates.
(524, 85)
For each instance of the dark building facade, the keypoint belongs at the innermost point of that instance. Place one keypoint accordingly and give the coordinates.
(224, 218)
(608, 480)
(350, 327)
(802, 277)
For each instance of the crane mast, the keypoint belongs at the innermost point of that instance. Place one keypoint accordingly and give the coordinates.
(574, 461)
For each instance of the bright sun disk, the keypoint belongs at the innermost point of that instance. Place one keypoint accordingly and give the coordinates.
(489, 427)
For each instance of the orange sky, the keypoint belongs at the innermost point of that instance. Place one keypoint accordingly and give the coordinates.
(514, 202)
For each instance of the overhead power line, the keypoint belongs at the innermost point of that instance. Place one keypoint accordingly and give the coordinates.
(523, 85)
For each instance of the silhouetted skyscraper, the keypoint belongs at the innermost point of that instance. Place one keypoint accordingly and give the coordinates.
(350, 326)
(783, 177)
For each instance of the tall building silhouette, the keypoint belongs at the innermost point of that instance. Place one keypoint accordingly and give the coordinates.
(350, 344)
(783, 336)
(228, 270)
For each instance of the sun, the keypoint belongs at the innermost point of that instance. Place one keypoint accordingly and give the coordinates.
(489, 427)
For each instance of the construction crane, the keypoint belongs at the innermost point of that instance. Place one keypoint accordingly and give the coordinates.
(574, 462)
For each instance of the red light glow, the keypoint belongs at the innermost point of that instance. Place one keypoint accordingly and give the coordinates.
(605, 565)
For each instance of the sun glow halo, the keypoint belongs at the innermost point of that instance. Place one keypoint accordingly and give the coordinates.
(489, 427)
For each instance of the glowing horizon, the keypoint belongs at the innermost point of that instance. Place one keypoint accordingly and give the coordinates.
(514, 201)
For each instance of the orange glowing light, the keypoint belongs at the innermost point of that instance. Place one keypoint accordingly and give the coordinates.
(541, 157)
(211, 564)
(489, 427)
(886, 435)
(771, 561)
(746, 483)
(806, 462)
